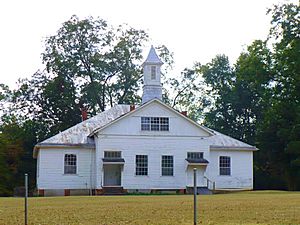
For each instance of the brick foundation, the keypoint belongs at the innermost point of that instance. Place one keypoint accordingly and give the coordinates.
(67, 192)
(98, 191)
(41, 192)
(182, 191)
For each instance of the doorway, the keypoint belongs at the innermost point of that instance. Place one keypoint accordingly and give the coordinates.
(199, 174)
(112, 175)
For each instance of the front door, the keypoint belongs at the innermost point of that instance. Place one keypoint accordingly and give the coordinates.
(112, 175)
(199, 174)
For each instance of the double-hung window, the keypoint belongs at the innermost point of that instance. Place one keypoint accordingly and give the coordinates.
(70, 164)
(141, 165)
(154, 123)
(167, 165)
(224, 165)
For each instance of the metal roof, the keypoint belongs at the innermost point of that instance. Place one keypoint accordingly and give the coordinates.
(79, 133)
(221, 141)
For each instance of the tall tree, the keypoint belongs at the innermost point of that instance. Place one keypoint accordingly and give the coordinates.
(16, 144)
(101, 61)
(219, 77)
(279, 136)
(238, 93)
(187, 93)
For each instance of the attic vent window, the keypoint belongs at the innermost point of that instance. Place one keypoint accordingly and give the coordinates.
(195, 155)
(153, 72)
(155, 123)
(112, 154)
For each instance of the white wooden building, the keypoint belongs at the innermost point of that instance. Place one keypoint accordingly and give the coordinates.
(150, 147)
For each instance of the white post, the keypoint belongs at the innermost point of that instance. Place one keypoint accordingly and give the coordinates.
(195, 196)
(26, 196)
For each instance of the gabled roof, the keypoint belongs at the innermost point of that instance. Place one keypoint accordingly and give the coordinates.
(79, 134)
(152, 57)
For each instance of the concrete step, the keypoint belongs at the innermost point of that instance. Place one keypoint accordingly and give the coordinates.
(200, 191)
(113, 190)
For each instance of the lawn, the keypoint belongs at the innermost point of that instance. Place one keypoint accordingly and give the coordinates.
(259, 207)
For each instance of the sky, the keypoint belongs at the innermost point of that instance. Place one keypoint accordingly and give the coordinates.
(194, 30)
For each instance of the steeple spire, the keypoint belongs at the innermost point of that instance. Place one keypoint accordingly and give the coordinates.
(152, 57)
(152, 85)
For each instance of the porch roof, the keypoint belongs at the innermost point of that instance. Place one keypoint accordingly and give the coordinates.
(113, 160)
(197, 161)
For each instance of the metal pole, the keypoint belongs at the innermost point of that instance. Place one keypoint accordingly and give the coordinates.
(26, 196)
(195, 196)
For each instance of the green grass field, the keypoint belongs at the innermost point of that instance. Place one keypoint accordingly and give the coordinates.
(259, 207)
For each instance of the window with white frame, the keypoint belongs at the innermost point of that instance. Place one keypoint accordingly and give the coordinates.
(153, 72)
(195, 155)
(70, 164)
(155, 123)
(167, 165)
(224, 165)
(141, 165)
(112, 154)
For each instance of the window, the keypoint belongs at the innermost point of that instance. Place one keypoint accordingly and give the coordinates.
(112, 154)
(153, 72)
(155, 123)
(70, 164)
(195, 155)
(141, 162)
(224, 165)
(167, 165)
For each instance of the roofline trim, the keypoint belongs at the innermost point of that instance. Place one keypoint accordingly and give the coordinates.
(217, 147)
(38, 146)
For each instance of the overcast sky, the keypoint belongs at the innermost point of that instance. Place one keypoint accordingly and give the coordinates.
(195, 30)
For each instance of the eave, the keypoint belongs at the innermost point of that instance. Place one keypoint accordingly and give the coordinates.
(240, 148)
(38, 146)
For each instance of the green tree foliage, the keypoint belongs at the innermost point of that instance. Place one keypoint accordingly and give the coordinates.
(238, 91)
(186, 93)
(16, 143)
(102, 62)
(257, 100)
(279, 135)
(219, 77)
(49, 101)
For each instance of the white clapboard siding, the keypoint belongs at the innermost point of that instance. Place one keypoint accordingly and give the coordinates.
(51, 169)
(154, 147)
(178, 126)
(241, 169)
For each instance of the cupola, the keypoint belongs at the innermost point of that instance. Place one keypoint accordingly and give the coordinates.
(152, 77)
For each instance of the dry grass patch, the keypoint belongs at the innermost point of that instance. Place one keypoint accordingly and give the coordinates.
(259, 207)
